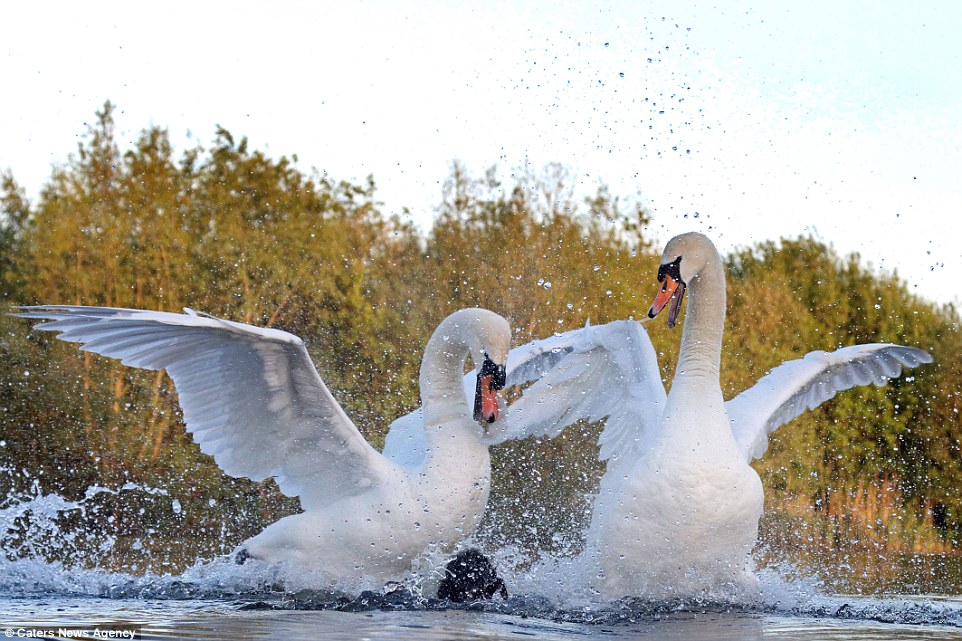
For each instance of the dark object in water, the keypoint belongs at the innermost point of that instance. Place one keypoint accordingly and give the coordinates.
(470, 576)
(241, 557)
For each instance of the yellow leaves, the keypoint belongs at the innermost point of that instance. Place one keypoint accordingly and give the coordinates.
(234, 233)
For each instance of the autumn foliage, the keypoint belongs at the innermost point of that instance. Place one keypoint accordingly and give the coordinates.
(232, 232)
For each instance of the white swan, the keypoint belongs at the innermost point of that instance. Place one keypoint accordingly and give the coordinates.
(254, 401)
(678, 506)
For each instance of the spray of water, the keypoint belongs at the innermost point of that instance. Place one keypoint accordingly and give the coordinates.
(45, 549)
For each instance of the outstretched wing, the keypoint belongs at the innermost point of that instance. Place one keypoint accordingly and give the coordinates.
(251, 396)
(590, 373)
(805, 383)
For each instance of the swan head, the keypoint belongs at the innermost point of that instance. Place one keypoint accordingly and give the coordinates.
(491, 379)
(487, 337)
(489, 343)
(684, 256)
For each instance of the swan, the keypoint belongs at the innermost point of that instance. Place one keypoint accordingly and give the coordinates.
(678, 506)
(254, 401)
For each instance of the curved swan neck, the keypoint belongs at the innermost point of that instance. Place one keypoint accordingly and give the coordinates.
(442, 370)
(701, 339)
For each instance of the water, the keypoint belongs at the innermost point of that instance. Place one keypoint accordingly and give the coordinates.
(220, 600)
(74, 617)
(44, 595)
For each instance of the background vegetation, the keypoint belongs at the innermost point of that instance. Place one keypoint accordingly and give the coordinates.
(229, 231)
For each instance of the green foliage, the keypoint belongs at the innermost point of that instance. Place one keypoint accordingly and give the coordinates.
(232, 232)
(14, 213)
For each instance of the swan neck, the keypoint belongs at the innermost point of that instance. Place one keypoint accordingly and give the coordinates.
(442, 371)
(455, 456)
(701, 339)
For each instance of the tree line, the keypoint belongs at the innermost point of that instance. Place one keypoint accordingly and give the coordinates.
(227, 230)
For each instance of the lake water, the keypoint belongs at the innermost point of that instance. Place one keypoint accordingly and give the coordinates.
(43, 598)
(217, 601)
(78, 617)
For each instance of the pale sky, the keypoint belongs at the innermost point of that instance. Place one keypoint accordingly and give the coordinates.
(748, 121)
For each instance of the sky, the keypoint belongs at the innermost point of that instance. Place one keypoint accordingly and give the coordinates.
(748, 121)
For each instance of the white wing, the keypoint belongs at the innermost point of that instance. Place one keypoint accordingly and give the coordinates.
(404, 443)
(590, 373)
(805, 383)
(251, 396)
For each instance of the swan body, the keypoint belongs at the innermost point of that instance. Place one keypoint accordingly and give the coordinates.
(678, 507)
(687, 511)
(254, 401)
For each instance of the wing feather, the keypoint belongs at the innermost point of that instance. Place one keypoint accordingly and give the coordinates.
(595, 372)
(250, 396)
(576, 376)
(588, 373)
(799, 385)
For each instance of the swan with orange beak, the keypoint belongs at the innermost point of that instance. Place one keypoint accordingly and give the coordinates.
(677, 509)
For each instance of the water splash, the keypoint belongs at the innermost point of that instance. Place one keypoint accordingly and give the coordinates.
(35, 525)
(45, 553)
(47, 547)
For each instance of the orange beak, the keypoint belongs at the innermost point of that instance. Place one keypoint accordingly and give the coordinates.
(489, 400)
(491, 378)
(671, 290)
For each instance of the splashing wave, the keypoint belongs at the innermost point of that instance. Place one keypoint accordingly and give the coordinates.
(39, 557)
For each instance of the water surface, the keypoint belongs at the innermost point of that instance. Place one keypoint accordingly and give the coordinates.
(216, 619)
(45, 595)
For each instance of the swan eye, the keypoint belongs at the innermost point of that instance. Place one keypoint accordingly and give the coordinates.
(672, 269)
(497, 372)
